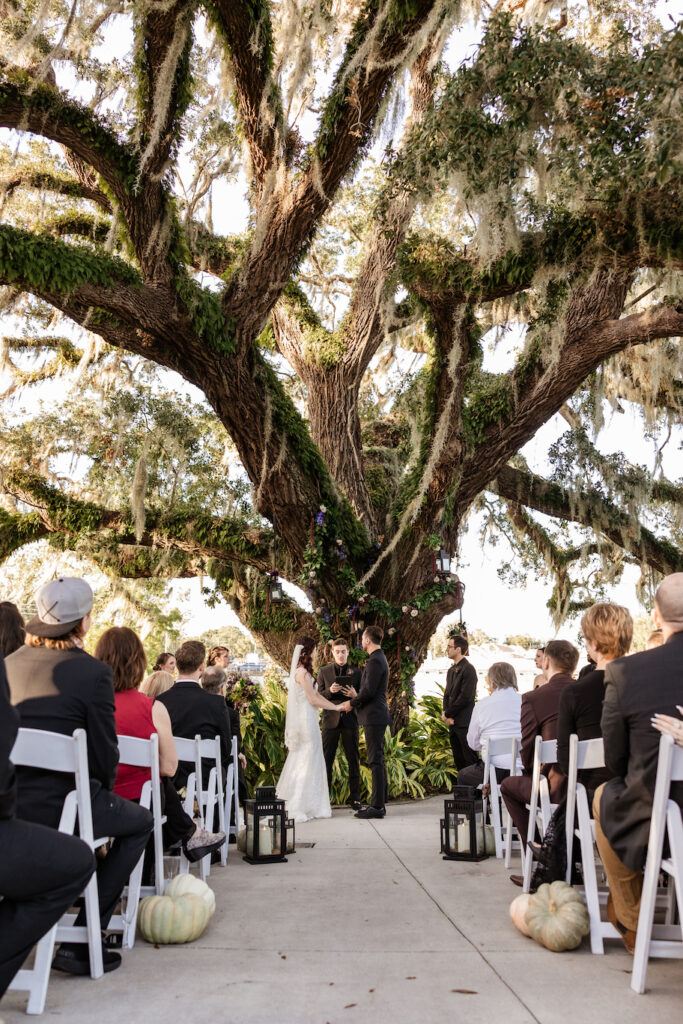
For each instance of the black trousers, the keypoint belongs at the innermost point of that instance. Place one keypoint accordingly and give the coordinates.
(463, 755)
(42, 873)
(374, 741)
(179, 825)
(473, 775)
(348, 733)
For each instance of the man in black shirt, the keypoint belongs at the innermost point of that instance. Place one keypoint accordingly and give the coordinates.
(458, 700)
(332, 682)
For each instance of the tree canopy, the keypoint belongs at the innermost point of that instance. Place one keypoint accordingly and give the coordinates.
(413, 215)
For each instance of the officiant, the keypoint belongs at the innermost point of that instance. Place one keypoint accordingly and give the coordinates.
(332, 682)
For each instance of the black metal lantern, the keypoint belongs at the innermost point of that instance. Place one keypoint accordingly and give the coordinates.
(462, 827)
(266, 839)
(291, 836)
(443, 562)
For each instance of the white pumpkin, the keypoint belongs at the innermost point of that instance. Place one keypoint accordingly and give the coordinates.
(181, 885)
(518, 909)
(557, 917)
(172, 919)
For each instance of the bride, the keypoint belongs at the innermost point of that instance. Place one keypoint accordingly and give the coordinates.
(303, 782)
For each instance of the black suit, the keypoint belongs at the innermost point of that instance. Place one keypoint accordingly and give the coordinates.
(373, 715)
(342, 725)
(60, 691)
(580, 711)
(458, 704)
(195, 712)
(636, 688)
(41, 871)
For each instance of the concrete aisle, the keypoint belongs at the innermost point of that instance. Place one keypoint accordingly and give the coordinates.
(370, 926)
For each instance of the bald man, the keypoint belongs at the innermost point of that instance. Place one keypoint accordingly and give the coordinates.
(637, 687)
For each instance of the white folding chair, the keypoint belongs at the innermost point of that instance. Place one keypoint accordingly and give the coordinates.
(231, 799)
(143, 754)
(55, 752)
(188, 751)
(502, 823)
(211, 799)
(539, 806)
(583, 755)
(666, 821)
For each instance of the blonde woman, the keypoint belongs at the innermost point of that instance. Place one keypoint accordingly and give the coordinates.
(156, 683)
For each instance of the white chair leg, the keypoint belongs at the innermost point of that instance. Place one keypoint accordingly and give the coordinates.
(222, 816)
(92, 912)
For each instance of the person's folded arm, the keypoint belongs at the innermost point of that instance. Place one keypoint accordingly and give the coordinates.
(371, 684)
(529, 733)
(168, 758)
(103, 748)
(566, 725)
(614, 729)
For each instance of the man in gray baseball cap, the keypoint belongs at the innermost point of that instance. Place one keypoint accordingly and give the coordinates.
(57, 686)
(62, 606)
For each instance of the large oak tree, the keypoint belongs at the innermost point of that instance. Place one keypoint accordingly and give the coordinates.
(403, 204)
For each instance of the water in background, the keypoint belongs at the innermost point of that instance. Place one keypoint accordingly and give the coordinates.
(432, 672)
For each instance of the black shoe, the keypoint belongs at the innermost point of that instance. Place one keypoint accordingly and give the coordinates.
(356, 804)
(370, 812)
(233, 839)
(74, 958)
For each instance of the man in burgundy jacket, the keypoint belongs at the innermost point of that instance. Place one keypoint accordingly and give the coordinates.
(539, 718)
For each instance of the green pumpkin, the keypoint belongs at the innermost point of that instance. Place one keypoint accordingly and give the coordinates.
(169, 919)
(556, 917)
(181, 885)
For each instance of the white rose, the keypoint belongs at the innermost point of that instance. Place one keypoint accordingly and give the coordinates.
(323, 509)
(413, 614)
(405, 609)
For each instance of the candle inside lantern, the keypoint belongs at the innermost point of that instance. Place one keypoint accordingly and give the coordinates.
(463, 845)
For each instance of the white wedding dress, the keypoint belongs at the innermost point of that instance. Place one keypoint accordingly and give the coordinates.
(303, 782)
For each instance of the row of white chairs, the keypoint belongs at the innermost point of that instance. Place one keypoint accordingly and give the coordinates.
(35, 748)
(662, 939)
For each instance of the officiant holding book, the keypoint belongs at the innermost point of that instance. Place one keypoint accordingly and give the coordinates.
(333, 680)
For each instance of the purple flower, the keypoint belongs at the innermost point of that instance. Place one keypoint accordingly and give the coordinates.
(319, 518)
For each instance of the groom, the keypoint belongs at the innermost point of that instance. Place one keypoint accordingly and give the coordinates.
(373, 715)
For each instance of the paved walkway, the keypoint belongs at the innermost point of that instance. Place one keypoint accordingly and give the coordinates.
(370, 926)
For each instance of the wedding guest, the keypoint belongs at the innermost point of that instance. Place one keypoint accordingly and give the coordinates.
(458, 700)
(165, 663)
(655, 639)
(540, 679)
(215, 680)
(195, 712)
(587, 668)
(496, 715)
(607, 630)
(539, 718)
(56, 686)
(139, 715)
(218, 655)
(42, 871)
(637, 688)
(12, 631)
(156, 683)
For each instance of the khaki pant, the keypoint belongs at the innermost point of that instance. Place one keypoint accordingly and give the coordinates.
(625, 885)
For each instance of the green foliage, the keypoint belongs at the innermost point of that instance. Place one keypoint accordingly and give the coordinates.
(43, 263)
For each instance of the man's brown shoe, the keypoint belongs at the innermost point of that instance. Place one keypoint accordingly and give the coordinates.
(517, 880)
(628, 937)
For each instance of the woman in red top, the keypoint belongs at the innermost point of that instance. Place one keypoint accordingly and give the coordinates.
(140, 716)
